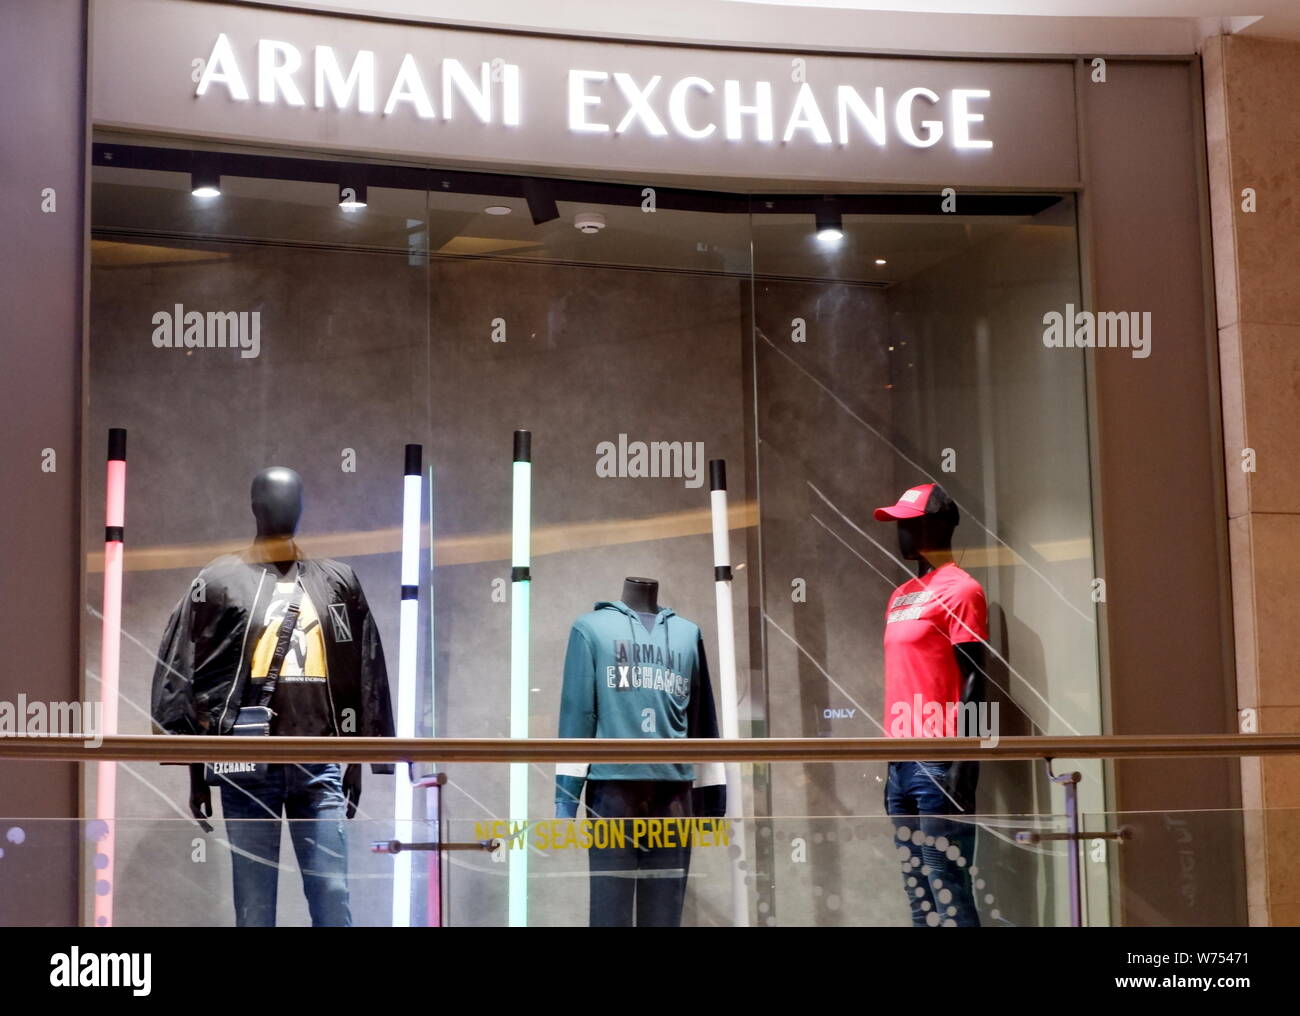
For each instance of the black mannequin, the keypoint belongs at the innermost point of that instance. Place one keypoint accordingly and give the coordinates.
(642, 595)
(927, 540)
(276, 499)
(942, 609)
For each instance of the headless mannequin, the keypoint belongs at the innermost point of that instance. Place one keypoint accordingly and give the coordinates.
(651, 902)
(277, 506)
(276, 499)
(642, 595)
(927, 540)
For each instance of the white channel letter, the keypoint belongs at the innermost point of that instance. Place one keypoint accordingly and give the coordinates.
(360, 80)
(408, 86)
(903, 119)
(677, 108)
(510, 95)
(579, 100)
(761, 110)
(479, 97)
(870, 120)
(638, 106)
(807, 116)
(277, 62)
(222, 69)
(962, 118)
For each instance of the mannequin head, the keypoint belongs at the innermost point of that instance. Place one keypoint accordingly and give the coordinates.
(277, 502)
(926, 517)
(926, 535)
(641, 594)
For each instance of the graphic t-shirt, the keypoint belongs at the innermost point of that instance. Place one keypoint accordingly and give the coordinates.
(302, 695)
(924, 619)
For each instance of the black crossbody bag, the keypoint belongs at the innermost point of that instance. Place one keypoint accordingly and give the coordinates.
(255, 721)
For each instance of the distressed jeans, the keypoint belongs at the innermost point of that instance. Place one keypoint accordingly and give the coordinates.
(930, 804)
(311, 797)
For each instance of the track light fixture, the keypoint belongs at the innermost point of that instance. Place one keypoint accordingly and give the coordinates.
(352, 193)
(205, 179)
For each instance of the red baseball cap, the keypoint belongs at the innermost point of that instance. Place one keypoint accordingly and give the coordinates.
(923, 499)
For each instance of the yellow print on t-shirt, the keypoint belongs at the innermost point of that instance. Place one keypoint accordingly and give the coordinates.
(305, 659)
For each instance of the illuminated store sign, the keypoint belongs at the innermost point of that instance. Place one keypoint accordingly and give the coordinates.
(254, 74)
(598, 102)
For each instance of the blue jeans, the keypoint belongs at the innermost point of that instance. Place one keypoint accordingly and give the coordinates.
(636, 886)
(252, 809)
(934, 849)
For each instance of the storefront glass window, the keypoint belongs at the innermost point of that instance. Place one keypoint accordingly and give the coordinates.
(637, 332)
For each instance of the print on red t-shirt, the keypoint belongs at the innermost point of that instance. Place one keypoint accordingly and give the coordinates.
(924, 619)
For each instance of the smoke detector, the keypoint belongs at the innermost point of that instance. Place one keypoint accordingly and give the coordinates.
(589, 222)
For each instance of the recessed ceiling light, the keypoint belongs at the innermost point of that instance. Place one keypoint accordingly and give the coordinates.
(830, 235)
(881, 261)
(497, 210)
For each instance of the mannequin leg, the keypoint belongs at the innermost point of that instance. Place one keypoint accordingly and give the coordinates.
(661, 886)
(901, 806)
(252, 809)
(317, 811)
(944, 792)
(613, 868)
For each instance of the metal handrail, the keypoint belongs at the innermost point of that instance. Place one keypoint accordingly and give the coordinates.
(181, 749)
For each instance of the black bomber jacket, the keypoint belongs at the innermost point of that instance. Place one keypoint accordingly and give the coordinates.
(203, 663)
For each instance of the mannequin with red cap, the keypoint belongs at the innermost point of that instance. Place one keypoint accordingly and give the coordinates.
(936, 627)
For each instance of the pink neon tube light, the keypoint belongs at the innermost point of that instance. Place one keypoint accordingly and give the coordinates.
(110, 655)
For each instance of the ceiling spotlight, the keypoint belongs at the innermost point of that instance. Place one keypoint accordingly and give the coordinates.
(497, 209)
(881, 261)
(205, 182)
(352, 195)
(830, 226)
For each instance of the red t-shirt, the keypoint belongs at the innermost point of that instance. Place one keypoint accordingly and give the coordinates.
(925, 618)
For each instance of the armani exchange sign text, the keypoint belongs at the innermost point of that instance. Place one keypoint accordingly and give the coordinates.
(599, 101)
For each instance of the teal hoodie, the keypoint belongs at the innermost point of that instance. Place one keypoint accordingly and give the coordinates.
(621, 680)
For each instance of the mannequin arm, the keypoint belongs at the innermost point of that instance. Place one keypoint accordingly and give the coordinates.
(352, 787)
(970, 664)
(200, 797)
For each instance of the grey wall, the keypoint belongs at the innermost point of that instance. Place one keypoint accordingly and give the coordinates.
(809, 393)
(42, 88)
